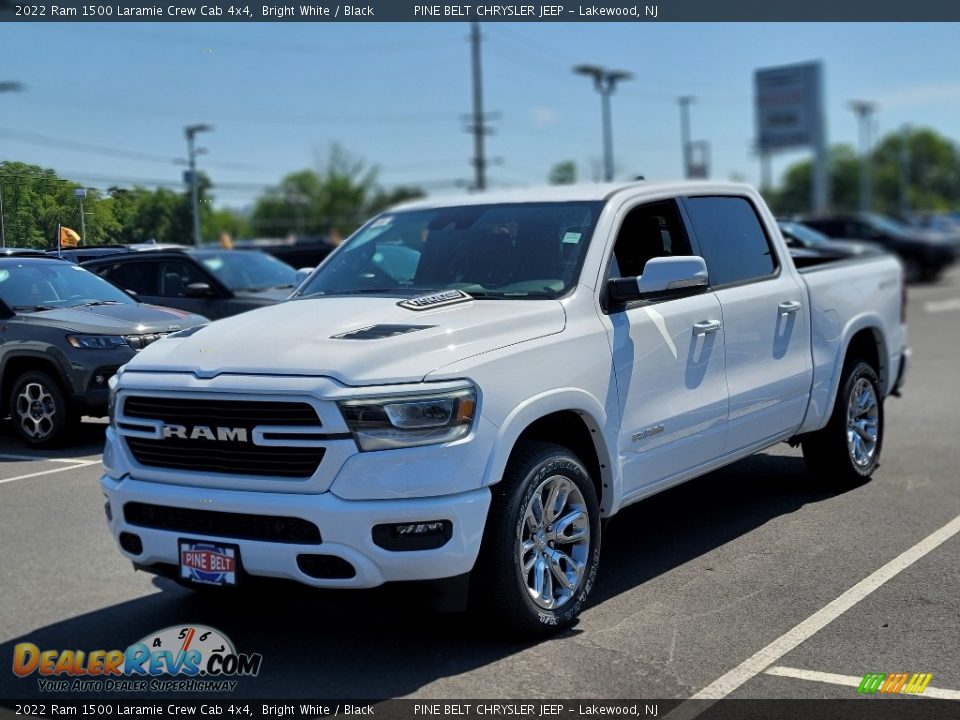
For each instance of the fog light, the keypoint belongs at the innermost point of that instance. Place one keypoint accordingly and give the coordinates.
(99, 379)
(131, 543)
(427, 535)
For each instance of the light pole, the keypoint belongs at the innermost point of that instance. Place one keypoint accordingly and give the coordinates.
(6, 86)
(192, 152)
(605, 82)
(864, 110)
(685, 102)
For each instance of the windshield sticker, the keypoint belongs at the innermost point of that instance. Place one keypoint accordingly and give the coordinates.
(4, 274)
(571, 237)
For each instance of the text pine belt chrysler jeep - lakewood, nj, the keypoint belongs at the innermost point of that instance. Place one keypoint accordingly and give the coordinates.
(472, 385)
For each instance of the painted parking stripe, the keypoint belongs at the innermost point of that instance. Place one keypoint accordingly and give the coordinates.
(850, 680)
(939, 306)
(764, 658)
(33, 458)
(76, 466)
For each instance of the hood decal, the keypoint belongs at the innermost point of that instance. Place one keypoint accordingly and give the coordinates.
(376, 332)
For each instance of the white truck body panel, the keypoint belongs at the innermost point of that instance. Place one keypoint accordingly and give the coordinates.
(667, 390)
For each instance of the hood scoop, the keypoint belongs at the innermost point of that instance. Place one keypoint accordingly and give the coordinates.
(376, 332)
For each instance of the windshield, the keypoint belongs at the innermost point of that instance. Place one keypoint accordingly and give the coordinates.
(240, 270)
(527, 250)
(806, 235)
(887, 225)
(55, 284)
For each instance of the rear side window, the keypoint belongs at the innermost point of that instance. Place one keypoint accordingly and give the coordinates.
(141, 277)
(731, 238)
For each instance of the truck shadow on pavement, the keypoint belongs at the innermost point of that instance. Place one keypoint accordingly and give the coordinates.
(386, 643)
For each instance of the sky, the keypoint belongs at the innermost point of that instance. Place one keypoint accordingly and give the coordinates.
(107, 103)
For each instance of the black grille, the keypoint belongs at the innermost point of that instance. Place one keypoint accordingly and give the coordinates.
(270, 528)
(227, 455)
(235, 413)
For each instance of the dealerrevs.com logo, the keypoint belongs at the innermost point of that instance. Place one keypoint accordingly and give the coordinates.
(182, 658)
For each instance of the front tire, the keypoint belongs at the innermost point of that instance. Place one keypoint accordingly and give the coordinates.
(541, 548)
(39, 409)
(847, 450)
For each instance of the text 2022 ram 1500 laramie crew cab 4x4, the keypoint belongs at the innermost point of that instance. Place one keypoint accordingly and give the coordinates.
(471, 385)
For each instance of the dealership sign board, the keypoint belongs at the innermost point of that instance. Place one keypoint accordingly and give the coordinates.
(789, 106)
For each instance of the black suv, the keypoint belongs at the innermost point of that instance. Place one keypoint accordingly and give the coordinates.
(213, 283)
(924, 254)
(64, 331)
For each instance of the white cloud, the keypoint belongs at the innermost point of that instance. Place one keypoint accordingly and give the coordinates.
(543, 116)
(920, 95)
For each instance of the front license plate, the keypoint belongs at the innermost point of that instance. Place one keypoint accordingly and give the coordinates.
(209, 563)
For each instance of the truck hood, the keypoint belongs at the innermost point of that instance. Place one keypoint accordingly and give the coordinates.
(121, 319)
(300, 337)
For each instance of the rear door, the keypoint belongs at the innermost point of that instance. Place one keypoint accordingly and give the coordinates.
(765, 320)
(668, 359)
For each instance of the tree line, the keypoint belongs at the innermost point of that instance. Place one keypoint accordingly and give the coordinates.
(336, 198)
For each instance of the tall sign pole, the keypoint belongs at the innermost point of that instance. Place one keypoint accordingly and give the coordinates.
(790, 113)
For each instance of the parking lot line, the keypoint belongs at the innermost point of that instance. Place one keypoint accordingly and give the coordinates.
(764, 658)
(32, 458)
(939, 306)
(850, 680)
(77, 465)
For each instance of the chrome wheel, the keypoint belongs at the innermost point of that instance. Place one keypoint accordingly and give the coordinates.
(554, 542)
(863, 423)
(36, 411)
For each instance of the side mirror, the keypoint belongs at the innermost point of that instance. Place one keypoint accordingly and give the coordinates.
(198, 290)
(302, 274)
(662, 276)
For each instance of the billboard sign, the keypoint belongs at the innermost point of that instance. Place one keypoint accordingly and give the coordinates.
(789, 106)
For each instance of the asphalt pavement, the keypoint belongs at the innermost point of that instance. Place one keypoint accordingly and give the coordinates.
(757, 581)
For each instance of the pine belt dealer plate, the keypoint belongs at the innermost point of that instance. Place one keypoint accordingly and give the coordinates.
(209, 563)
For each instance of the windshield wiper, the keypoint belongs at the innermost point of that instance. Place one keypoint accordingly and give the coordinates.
(33, 308)
(264, 288)
(99, 302)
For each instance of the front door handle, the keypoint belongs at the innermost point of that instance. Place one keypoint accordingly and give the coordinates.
(705, 327)
(788, 308)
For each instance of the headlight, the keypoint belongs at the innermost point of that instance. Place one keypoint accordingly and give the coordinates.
(97, 342)
(112, 396)
(405, 421)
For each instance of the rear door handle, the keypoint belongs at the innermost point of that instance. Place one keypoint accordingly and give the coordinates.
(705, 327)
(788, 308)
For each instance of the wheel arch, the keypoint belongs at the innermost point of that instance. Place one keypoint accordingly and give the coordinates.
(571, 418)
(865, 341)
(13, 366)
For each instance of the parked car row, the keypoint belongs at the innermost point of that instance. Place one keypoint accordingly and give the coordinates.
(64, 333)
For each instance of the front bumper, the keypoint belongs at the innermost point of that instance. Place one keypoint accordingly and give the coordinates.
(345, 526)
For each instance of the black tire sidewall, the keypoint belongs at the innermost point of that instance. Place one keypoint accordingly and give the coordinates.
(860, 370)
(61, 414)
(550, 461)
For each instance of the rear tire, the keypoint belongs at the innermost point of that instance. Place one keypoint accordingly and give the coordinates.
(847, 450)
(541, 547)
(39, 410)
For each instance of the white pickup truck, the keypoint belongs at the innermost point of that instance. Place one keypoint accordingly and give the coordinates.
(468, 387)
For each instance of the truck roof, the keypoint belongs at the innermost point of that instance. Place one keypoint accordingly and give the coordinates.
(584, 192)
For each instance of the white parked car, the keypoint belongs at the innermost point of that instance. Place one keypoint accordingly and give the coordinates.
(471, 385)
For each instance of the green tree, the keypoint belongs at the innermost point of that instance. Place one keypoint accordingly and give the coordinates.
(933, 176)
(339, 197)
(563, 173)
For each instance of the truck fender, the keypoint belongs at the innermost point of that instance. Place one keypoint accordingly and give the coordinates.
(594, 415)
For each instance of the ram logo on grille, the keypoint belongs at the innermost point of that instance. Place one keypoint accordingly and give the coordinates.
(203, 432)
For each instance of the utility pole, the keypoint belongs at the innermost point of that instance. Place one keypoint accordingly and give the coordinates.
(685, 101)
(605, 82)
(478, 127)
(904, 169)
(192, 152)
(80, 194)
(864, 110)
